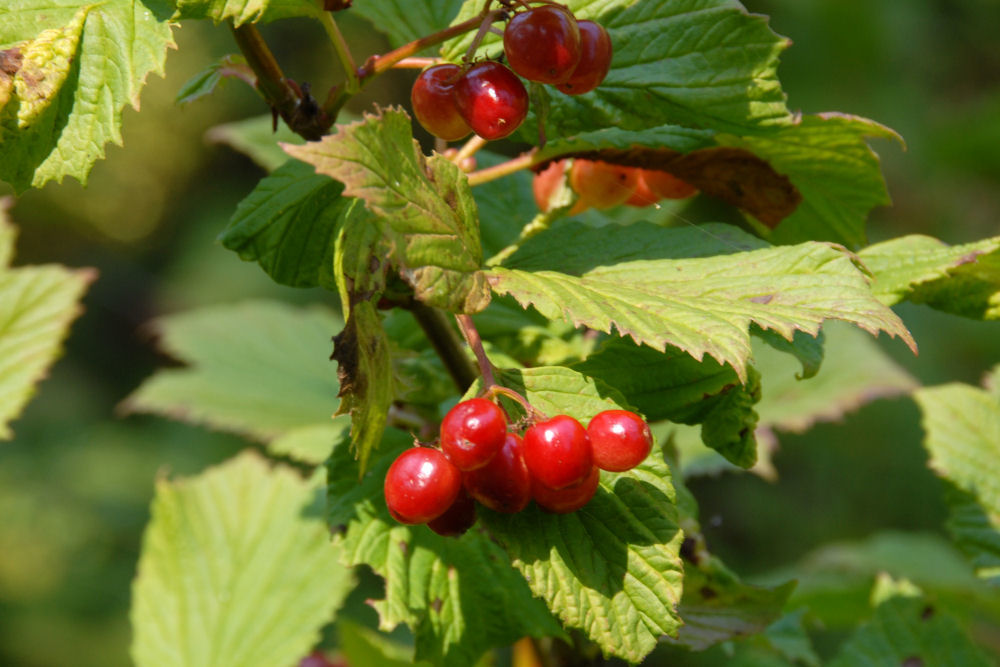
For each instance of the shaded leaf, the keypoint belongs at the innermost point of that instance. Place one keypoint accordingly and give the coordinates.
(362, 646)
(257, 368)
(828, 161)
(424, 204)
(405, 21)
(906, 630)
(459, 596)
(236, 569)
(204, 83)
(288, 225)
(245, 11)
(37, 306)
(961, 279)
(962, 426)
(78, 64)
(257, 138)
(702, 305)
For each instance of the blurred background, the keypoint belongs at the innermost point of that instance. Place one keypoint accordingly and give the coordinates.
(76, 481)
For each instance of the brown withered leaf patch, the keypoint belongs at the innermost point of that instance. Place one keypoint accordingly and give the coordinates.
(10, 64)
(733, 175)
(346, 354)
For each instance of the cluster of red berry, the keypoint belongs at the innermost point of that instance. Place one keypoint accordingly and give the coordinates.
(557, 463)
(544, 44)
(603, 185)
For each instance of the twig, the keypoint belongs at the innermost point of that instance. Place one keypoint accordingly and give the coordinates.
(446, 343)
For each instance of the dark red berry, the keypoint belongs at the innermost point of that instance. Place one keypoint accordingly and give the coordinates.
(491, 99)
(543, 44)
(457, 519)
(421, 485)
(595, 60)
(601, 184)
(504, 484)
(558, 452)
(433, 104)
(571, 498)
(620, 440)
(472, 433)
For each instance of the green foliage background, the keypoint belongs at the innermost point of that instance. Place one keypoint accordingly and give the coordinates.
(76, 481)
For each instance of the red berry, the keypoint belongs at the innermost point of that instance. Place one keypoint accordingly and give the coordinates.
(433, 104)
(504, 484)
(665, 185)
(620, 440)
(595, 60)
(558, 452)
(569, 499)
(602, 185)
(472, 433)
(491, 99)
(457, 519)
(543, 44)
(421, 485)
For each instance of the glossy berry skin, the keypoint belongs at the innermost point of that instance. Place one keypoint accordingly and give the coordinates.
(472, 433)
(595, 60)
(558, 452)
(433, 104)
(601, 184)
(491, 99)
(621, 440)
(421, 485)
(504, 484)
(543, 44)
(545, 184)
(457, 519)
(569, 499)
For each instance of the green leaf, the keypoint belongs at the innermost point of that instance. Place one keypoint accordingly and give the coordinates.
(670, 137)
(79, 64)
(856, 372)
(245, 11)
(288, 225)
(673, 385)
(236, 569)
(405, 21)
(459, 596)
(37, 306)
(366, 380)
(699, 63)
(256, 368)
(257, 138)
(962, 279)
(833, 168)
(658, 287)
(362, 646)
(310, 444)
(906, 629)
(206, 81)
(807, 349)
(718, 607)
(962, 426)
(612, 568)
(425, 205)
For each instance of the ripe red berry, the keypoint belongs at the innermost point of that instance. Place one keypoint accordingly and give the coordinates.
(421, 485)
(504, 484)
(602, 185)
(472, 433)
(457, 519)
(558, 452)
(571, 498)
(543, 44)
(620, 440)
(491, 99)
(433, 104)
(595, 60)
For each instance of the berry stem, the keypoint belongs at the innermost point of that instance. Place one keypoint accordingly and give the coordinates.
(472, 337)
(470, 148)
(416, 63)
(343, 52)
(485, 25)
(523, 161)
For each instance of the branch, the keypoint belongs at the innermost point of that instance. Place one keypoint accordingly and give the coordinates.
(446, 343)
